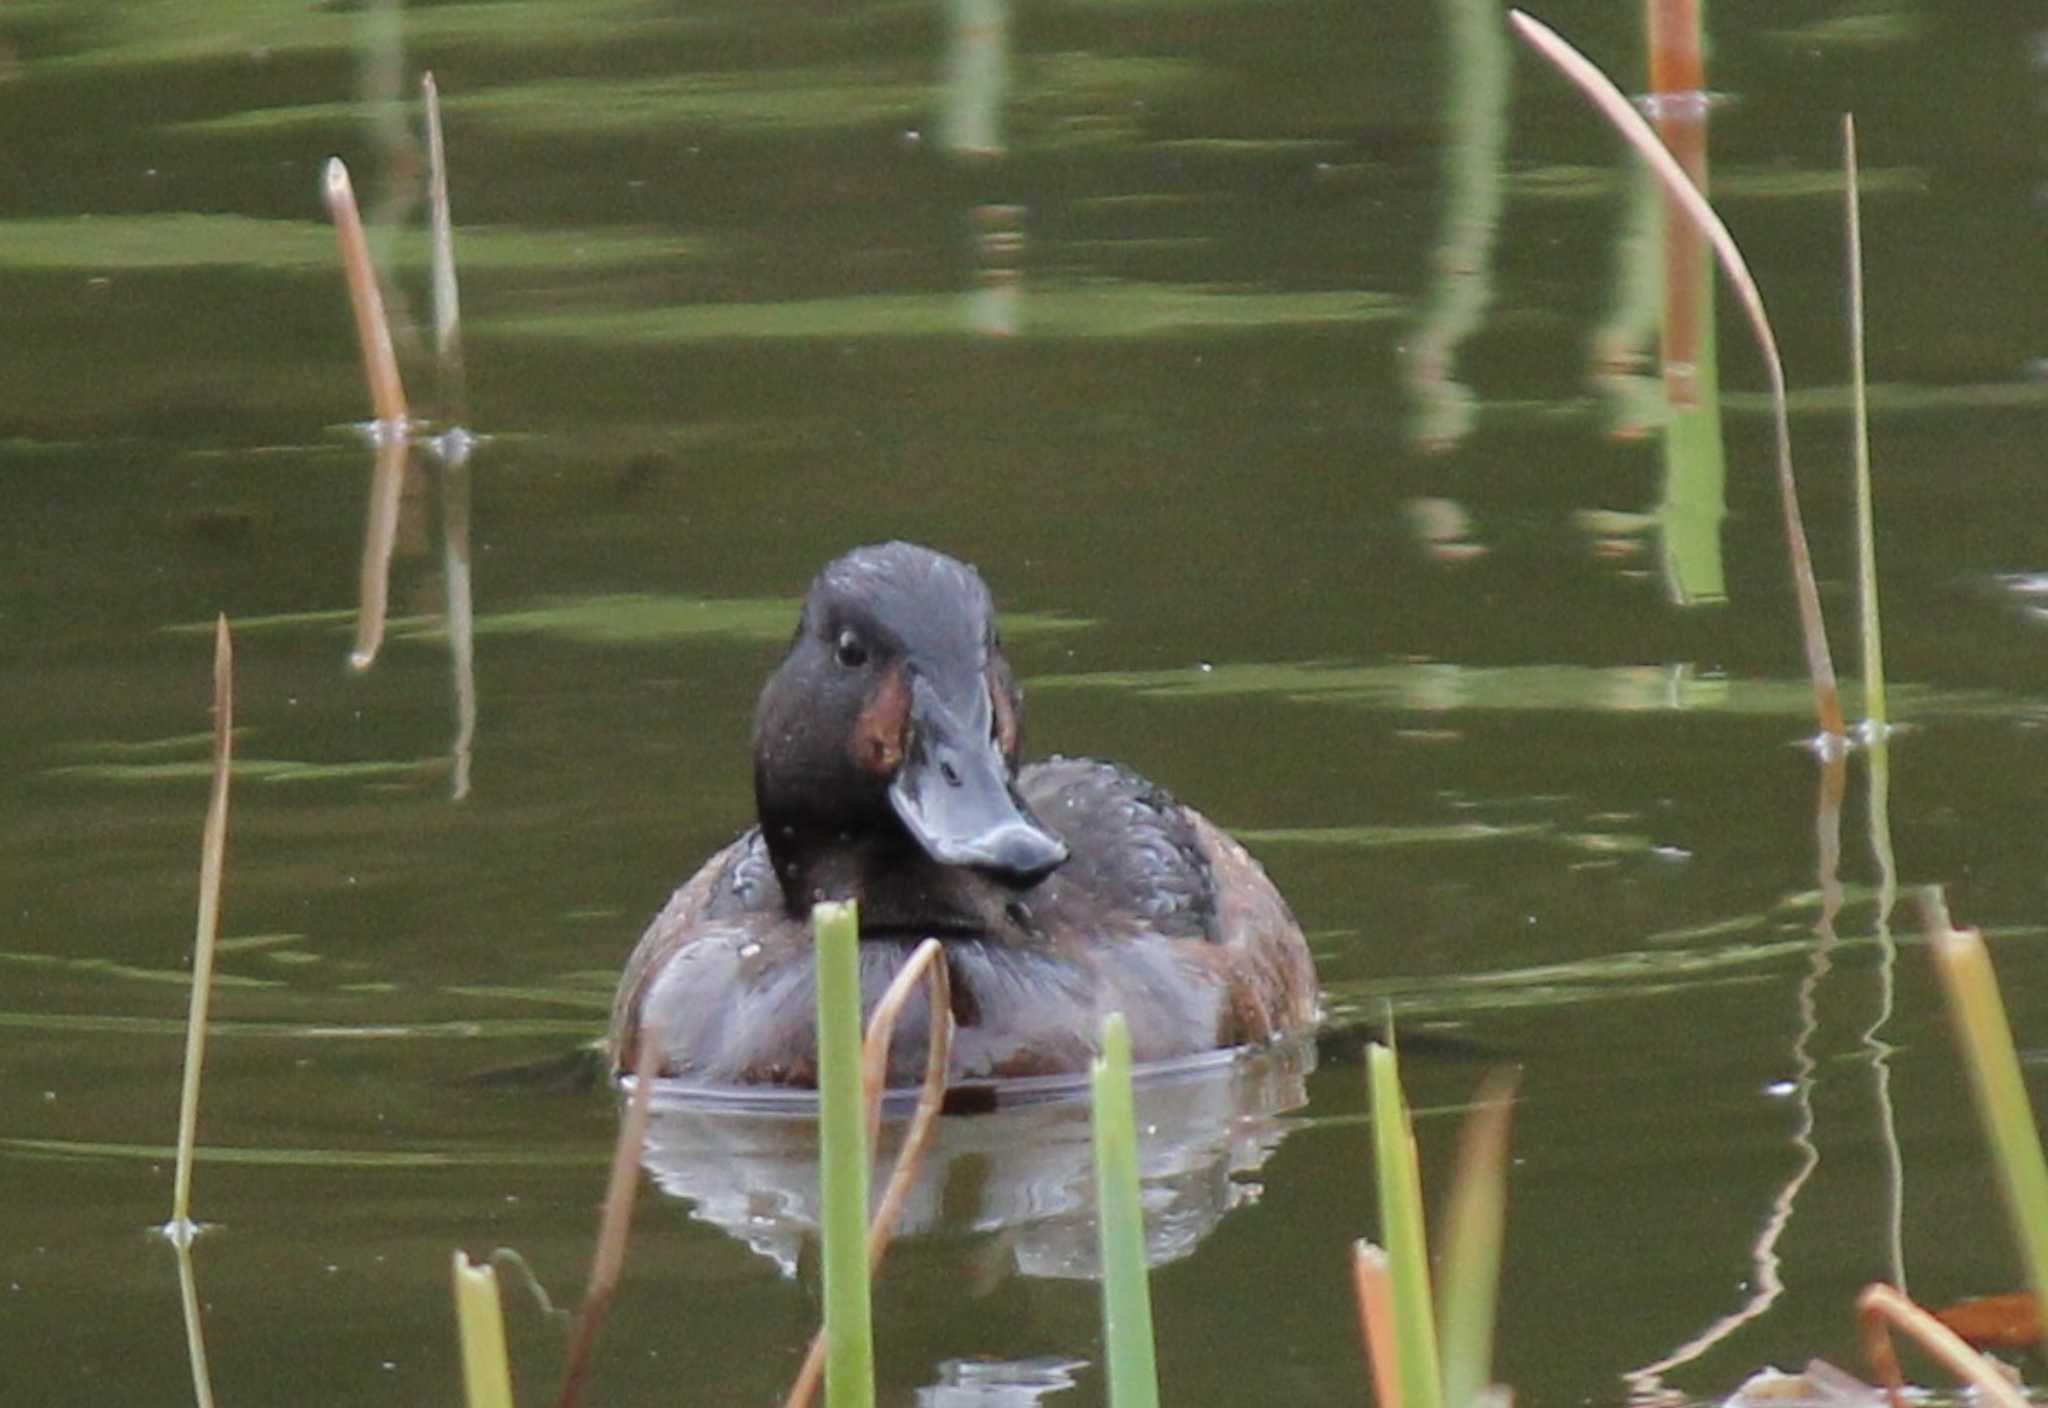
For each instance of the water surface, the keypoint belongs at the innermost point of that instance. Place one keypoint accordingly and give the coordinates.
(1514, 720)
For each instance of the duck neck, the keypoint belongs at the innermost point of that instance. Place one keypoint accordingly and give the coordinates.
(899, 889)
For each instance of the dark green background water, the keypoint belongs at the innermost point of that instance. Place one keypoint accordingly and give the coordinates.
(716, 284)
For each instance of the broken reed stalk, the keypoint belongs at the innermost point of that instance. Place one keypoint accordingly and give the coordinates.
(1874, 712)
(447, 303)
(1616, 108)
(614, 1222)
(1881, 1309)
(373, 329)
(1129, 1347)
(1373, 1284)
(212, 861)
(926, 962)
(486, 1368)
(1977, 1012)
(1475, 1223)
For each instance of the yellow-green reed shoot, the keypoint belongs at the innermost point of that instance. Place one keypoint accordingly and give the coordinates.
(1621, 114)
(1120, 1226)
(486, 1371)
(213, 847)
(1986, 1040)
(1866, 532)
(1475, 1222)
(843, 1160)
(1401, 1233)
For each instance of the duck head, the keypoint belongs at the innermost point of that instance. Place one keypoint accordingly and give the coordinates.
(885, 744)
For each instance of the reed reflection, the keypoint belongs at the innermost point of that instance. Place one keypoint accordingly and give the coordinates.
(1694, 499)
(1685, 522)
(977, 84)
(1664, 283)
(1475, 121)
(395, 522)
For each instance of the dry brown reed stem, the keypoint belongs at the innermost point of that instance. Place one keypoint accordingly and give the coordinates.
(614, 1222)
(1373, 1284)
(373, 329)
(447, 303)
(1616, 108)
(213, 847)
(1882, 1308)
(928, 962)
(380, 532)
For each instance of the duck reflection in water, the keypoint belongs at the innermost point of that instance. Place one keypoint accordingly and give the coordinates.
(1022, 1177)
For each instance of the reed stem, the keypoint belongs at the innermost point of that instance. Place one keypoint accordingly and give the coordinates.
(1475, 1223)
(616, 1219)
(480, 1320)
(1120, 1226)
(373, 328)
(212, 863)
(843, 1161)
(927, 962)
(447, 299)
(1403, 1235)
(1874, 711)
(1985, 1035)
(1621, 114)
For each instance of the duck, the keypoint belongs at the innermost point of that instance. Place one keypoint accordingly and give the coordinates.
(886, 750)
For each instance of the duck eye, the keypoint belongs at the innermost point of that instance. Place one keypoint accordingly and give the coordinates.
(852, 654)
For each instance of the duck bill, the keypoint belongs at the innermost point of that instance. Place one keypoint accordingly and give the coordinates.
(953, 791)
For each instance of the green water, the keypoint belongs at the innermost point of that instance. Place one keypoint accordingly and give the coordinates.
(1298, 496)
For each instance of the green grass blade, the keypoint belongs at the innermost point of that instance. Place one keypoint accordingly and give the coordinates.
(1401, 1233)
(486, 1372)
(1474, 1224)
(1126, 1292)
(1986, 1039)
(843, 1161)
